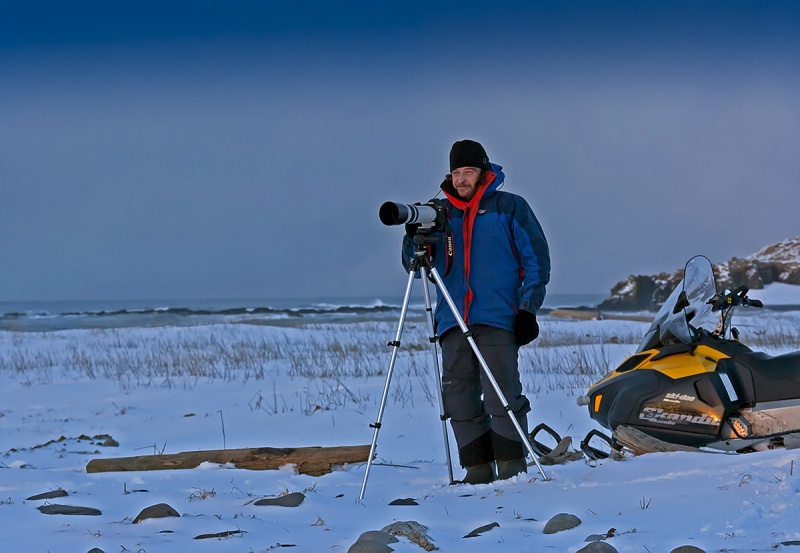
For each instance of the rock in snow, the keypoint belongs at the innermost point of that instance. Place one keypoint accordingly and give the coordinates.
(561, 522)
(293, 499)
(597, 547)
(160, 510)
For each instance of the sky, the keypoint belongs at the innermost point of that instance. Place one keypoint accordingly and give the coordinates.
(242, 149)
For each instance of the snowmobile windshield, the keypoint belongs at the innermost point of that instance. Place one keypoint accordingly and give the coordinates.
(686, 305)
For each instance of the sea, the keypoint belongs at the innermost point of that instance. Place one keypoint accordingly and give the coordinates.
(46, 316)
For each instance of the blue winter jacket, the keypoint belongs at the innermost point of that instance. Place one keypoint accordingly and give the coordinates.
(501, 260)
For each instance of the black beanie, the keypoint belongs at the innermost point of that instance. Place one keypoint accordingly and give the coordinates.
(468, 153)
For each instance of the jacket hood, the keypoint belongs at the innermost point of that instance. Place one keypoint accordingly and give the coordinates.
(498, 181)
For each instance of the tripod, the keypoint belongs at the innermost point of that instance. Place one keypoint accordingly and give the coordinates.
(421, 264)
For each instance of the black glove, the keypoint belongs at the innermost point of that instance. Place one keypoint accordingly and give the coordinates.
(526, 329)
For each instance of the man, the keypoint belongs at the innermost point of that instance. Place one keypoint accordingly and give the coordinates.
(500, 267)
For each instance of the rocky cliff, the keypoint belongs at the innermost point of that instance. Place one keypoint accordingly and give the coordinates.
(774, 263)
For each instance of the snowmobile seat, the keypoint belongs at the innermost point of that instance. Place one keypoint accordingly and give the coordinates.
(765, 378)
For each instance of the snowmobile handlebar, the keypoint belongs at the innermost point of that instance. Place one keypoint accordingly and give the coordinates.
(733, 298)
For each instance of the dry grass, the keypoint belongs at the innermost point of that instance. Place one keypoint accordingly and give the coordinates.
(334, 365)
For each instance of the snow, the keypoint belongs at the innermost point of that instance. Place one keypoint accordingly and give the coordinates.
(777, 293)
(169, 390)
(629, 286)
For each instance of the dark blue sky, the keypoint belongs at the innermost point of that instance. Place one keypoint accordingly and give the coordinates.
(241, 149)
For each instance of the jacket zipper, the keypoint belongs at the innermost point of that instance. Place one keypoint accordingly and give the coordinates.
(467, 236)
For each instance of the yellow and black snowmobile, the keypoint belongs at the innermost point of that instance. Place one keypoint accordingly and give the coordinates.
(692, 382)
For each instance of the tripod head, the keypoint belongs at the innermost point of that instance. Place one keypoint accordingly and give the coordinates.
(424, 238)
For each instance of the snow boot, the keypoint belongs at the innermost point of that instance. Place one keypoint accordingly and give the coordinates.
(508, 469)
(510, 456)
(479, 474)
(477, 457)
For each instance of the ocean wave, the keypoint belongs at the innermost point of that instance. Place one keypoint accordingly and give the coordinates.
(53, 318)
(378, 307)
(61, 315)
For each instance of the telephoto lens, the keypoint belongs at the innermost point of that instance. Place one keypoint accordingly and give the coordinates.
(392, 213)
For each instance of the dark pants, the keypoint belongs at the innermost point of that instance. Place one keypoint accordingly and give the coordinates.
(475, 410)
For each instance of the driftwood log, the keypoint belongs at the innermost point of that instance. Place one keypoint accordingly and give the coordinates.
(314, 461)
(587, 315)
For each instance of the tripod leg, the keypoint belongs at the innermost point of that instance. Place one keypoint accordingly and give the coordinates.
(433, 341)
(395, 347)
(485, 367)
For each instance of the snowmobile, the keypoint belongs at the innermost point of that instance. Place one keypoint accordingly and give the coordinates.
(691, 382)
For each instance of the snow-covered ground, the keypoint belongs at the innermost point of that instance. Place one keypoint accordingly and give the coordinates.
(777, 294)
(169, 390)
